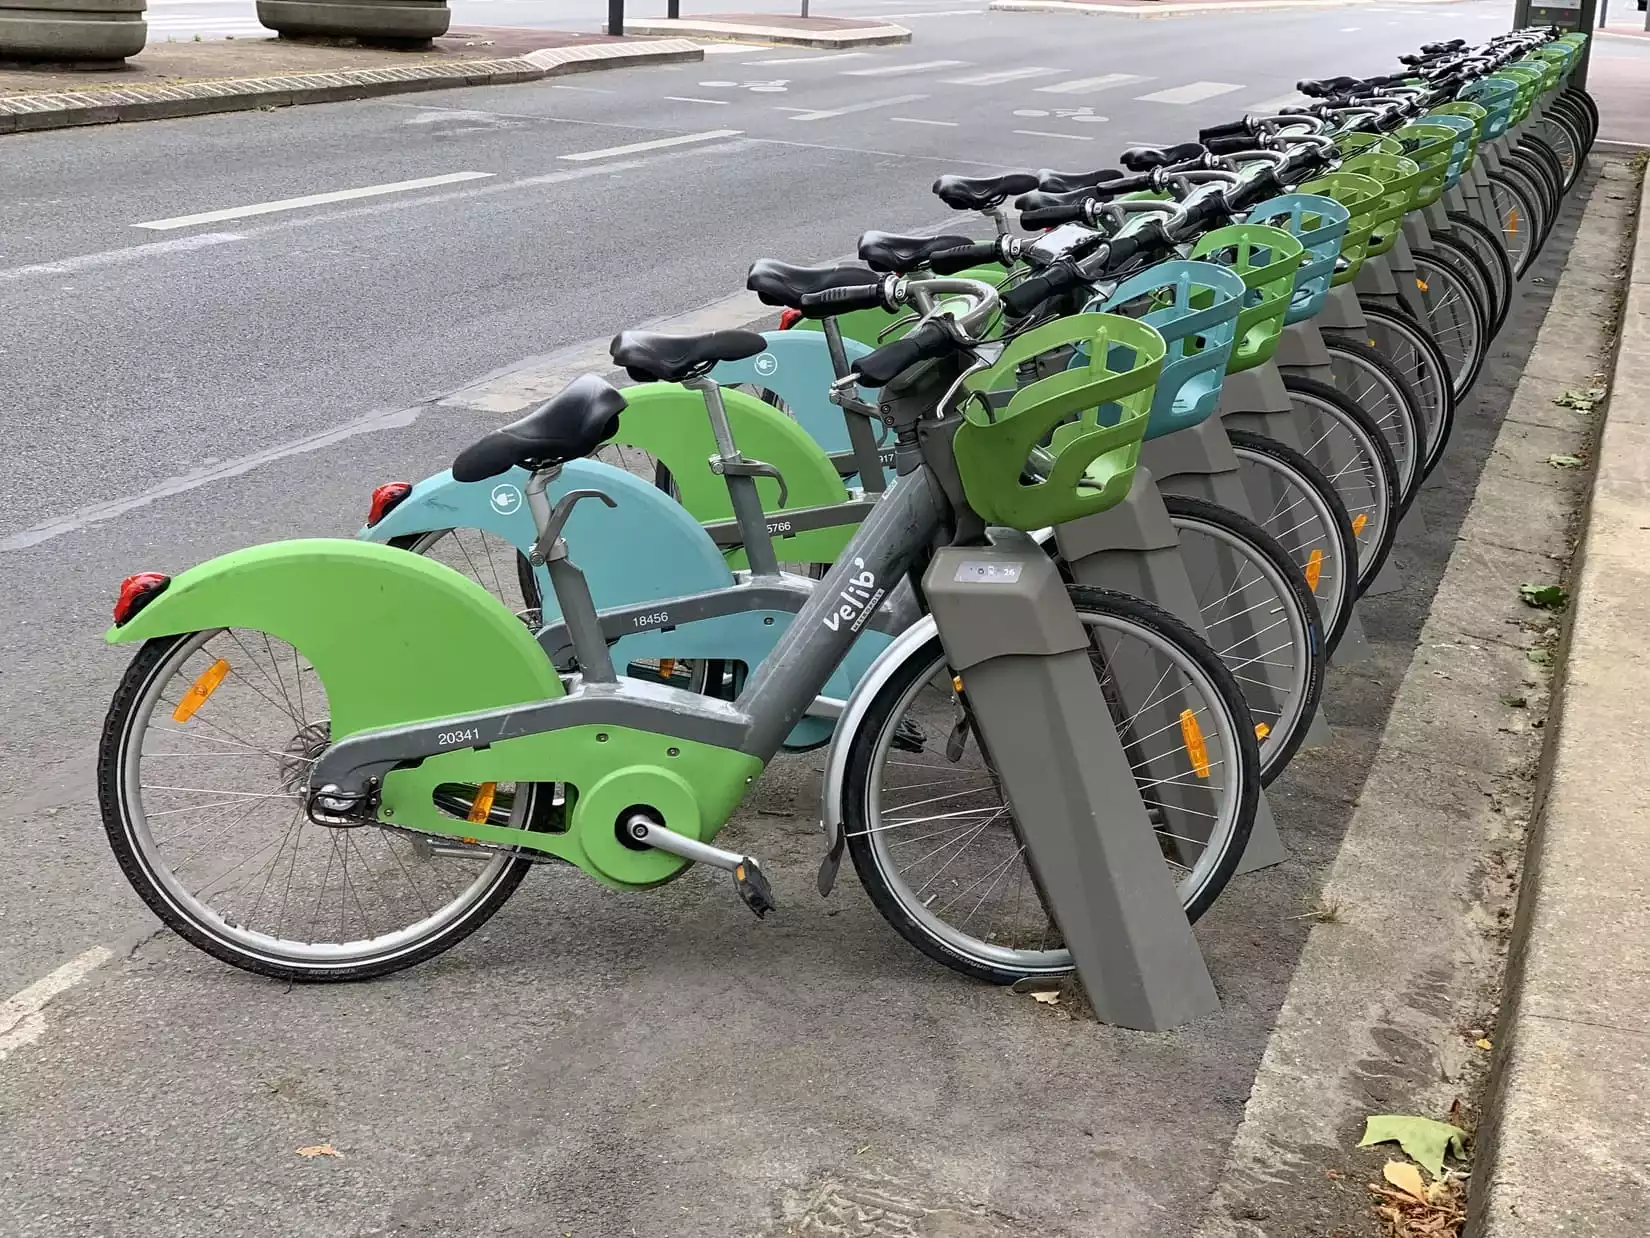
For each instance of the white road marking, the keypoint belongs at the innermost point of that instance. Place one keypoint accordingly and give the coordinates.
(999, 77)
(632, 148)
(691, 99)
(894, 70)
(917, 120)
(868, 106)
(119, 257)
(1083, 85)
(585, 90)
(21, 1020)
(1268, 106)
(809, 59)
(940, 13)
(731, 49)
(1191, 92)
(313, 199)
(1070, 137)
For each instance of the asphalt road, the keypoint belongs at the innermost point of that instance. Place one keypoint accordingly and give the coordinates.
(590, 1065)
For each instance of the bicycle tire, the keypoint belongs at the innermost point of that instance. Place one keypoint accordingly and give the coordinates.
(1564, 140)
(1535, 192)
(919, 664)
(1464, 304)
(1468, 231)
(139, 868)
(1544, 159)
(1281, 742)
(1584, 103)
(1374, 456)
(1299, 472)
(1516, 216)
(1434, 390)
(1372, 383)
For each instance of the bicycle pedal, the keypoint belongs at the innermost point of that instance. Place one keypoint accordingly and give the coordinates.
(753, 887)
(909, 737)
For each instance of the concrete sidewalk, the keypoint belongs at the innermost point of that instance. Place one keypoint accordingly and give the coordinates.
(1566, 1147)
(784, 29)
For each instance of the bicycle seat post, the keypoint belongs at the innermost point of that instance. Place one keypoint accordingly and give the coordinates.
(862, 439)
(740, 480)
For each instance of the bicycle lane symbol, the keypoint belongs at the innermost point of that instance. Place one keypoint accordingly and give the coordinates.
(1081, 115)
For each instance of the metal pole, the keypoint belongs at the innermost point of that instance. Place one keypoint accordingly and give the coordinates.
(673, 9)
(804, 8)
(615, 17)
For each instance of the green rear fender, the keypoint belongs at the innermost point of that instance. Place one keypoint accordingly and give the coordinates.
(669, 423)
(398, 638)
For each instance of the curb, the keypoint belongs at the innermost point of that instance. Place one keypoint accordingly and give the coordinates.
(865, 36)
(1567, 1133)
(1392, 994)
(110, 105)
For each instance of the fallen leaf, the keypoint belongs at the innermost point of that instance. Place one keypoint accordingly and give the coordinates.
(1484, 1042)
(319, 1149)
(1544, 597)
(1541, 657)
(1582, 401)
(1514, 702)
(1406, 1178)
(1422, 1138)
(1049, 997)
(1565, 462)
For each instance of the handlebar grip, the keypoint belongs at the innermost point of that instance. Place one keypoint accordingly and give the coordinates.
(1231, 129)
(928, 342)
(1022, 299)
(961, 257)
(1053, 215)
(1231, 145)
(833, 301)
(1252, 192)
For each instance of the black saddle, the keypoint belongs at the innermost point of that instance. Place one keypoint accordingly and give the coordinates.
(977, 193)
(1070, 182)
(883, 251)
(780, 283)
(570, 424)
(1144, 158)
(652, 356)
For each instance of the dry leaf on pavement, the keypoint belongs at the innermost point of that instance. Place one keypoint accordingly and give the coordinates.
(1406, 1177)
(319, 1149)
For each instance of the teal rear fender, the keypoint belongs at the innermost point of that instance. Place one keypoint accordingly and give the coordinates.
(394, 637)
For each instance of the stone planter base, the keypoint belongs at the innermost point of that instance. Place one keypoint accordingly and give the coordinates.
(409, 23)
(105, 31)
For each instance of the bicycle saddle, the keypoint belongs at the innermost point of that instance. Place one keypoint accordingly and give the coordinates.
(572, 423)
(883, 251)
(1069, 182)
(1144, 158)
(652, 356)
(977, 193)
(780, 283)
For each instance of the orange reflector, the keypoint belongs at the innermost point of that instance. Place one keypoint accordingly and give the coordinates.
(956, 683)
(1314, 569)
(1422, 285)
(482, 806)
(1195, 747)
(202, 688)
(1262, 730)
(1512, 221)
(667, 667)
(1358, 523)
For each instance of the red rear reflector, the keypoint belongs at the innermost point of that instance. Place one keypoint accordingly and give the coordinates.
(788, 318)
(385, 500)
(138, 591)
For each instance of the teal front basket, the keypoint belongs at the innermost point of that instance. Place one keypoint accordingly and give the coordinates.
(1194, 307)
(1319, 224)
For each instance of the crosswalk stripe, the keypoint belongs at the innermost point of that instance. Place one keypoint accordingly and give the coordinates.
(894, 70)
(868, 105)
(1267, 107)
(1083, 85)
(999, 77)
(1191, 92)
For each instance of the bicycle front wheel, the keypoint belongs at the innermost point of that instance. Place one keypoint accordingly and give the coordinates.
(935, 841)
(1456, 315)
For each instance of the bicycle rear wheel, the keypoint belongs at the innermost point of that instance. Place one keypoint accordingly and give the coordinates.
(202, 773)
(935, 842)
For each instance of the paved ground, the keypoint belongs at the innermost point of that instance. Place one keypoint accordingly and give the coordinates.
(176, 391)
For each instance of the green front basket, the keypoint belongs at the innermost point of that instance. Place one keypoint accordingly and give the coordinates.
(1064, 446)
(1361, 195)
(1265, 258)
(1399, 177)
(1430, 147)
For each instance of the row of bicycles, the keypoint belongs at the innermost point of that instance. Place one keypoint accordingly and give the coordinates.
(1210, 383)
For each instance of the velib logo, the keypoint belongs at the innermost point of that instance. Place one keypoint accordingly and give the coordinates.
(858, 599)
